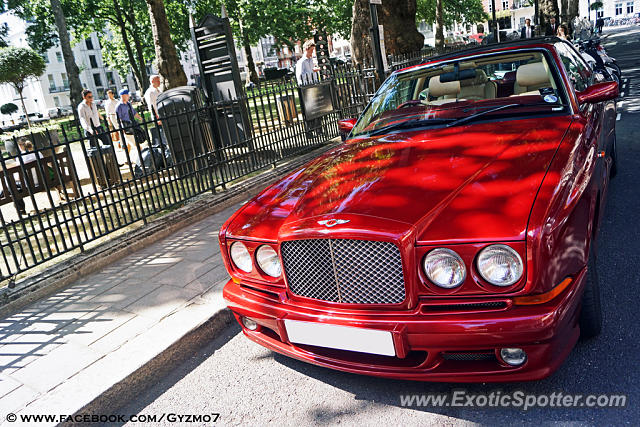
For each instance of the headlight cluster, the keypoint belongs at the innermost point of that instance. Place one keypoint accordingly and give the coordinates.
(499, 265)
(266, 258)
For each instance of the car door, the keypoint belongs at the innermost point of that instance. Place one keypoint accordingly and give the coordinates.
(597, 138)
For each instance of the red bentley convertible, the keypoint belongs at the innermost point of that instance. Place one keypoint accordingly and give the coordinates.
(451, 237)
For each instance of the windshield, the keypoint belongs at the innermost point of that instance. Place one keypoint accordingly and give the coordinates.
(519, 83)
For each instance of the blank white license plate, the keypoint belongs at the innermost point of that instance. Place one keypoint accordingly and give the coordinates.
(340, 337)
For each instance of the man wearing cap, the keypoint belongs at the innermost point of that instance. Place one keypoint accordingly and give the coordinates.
(127, 115)
(305, 70)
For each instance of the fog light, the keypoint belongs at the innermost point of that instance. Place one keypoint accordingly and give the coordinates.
(513, 356)
(250, 324)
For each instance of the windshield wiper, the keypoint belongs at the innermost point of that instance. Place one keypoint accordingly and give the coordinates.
(407, 124)
(472, 117)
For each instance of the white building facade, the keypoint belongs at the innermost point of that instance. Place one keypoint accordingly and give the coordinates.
(614, 9)
(51, 90)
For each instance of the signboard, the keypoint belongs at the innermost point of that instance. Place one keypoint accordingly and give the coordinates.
(317, 100)
(383, 51)
(322, 54)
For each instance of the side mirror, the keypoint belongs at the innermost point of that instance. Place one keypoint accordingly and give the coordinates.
(345, 126)
(598, 92)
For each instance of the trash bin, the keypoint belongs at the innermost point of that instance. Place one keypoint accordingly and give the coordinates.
(185, 127)
(103, 165)
(286, 108)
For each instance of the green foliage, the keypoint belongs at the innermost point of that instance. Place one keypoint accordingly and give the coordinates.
(8, 108)
(41, 31)
(18, 64)
(463, 11)
(596, 5)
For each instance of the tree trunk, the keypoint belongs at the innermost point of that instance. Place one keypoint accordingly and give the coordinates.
(251, 65)
(171, 71)
(142, 64)
(361, 52)
(24, 108)
(439, 25)
(564, 12)
(73, 72)
(401, 34)
(398, 17)
(127, 44)
(573, 11)
(547, 9)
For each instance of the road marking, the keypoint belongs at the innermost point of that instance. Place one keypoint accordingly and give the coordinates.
(618, 117)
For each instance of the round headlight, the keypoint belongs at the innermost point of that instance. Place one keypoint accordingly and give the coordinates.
(240, 256)
(445, 268)
(500, 265)
(268, 261)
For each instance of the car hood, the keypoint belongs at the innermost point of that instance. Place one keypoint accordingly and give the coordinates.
(468, 183)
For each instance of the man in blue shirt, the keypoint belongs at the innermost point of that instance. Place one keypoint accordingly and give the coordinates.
(127, 116)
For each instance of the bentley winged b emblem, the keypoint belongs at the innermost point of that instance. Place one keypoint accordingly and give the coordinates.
(333, 222)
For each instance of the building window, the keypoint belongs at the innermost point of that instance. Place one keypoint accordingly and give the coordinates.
(505, 4)
(599, 13)
(45, 56)
(618, 9)
(629, 7)
(97, 80)
(59, 56)
(110, 80)
(89, 43)
(490, 7)
(65, 80)
(56, 101)
(522, 22)
(93, 61)
(52, 82)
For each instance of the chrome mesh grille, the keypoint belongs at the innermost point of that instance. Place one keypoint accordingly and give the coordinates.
(344, 270)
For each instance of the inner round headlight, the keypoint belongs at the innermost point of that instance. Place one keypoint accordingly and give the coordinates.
(500, 265)
(268, 261)
(444, 268)
(240, 256)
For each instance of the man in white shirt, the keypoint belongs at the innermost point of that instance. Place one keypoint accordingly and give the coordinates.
(89, 117)
(527, 31)
(305, 70)
(151, 96)
(110, 105)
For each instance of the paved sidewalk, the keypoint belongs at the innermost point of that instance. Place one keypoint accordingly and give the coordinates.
(60, 353)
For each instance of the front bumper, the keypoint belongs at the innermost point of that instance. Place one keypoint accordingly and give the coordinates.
(450, 345)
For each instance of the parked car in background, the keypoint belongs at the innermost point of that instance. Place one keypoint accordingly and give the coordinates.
(451, 237)
(54, 112)
(33, 117)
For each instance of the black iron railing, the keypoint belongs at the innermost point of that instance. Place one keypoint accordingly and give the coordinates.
(70, 190)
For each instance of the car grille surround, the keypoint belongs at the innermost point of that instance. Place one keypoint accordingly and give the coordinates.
(345, 271)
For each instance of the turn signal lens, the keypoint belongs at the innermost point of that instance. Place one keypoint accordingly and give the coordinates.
(268, 261)
(500, 265)
(240, 256)
(444, 268)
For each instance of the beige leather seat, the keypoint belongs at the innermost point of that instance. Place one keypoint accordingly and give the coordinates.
(443, 92)
(531, 77)
(478, 88)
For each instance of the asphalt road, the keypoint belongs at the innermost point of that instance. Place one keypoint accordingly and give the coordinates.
(249, 385)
